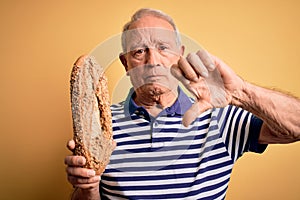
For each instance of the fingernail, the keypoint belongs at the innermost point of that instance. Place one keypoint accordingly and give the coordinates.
(211, 67)
(91, 173)
(204, 74)
(80, 161)
(187, 82)
(185, 124)
(97, 178)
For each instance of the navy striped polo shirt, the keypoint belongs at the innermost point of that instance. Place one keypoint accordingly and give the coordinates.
(159, 158)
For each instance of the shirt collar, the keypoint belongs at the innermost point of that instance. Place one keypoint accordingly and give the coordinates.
(180, 106)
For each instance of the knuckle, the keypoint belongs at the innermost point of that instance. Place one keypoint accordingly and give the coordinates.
(183, 63)
(191, 75)
(70, 171)
(79, 172)
(72, 179)
(201, 53)
(187, 69)
(69, 160)
(197, 63)
(191, 57)
(74, 160)
(83, 180)
(206, 58)
(66, 161)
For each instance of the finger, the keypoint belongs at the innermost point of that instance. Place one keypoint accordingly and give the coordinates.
(71, 145)
(77, 180)
(206, 59)
(75, 161)
(114, 144)
(87, 186)
(194, 111)
(187, 69)
(80, 172)
(223, 68)
(197, 64)
(177, 73)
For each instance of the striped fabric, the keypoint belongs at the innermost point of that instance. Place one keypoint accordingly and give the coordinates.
(159, 158)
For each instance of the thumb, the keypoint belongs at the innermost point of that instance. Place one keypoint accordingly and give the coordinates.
(71, 145)
(194, 111)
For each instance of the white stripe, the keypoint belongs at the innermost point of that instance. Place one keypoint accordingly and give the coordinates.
(247, 129)
(231, 134)
(180, 190)
(225, 130)
(204, 151)
(238, 137)
(173, 171)
(160, 164)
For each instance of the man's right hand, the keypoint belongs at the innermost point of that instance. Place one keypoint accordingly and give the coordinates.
(84, 179)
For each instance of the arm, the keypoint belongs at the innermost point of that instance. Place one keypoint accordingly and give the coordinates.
(280, 112)
(214, 84)
(82, 194)
(85, 181)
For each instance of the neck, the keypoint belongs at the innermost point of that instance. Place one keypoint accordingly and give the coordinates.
(155, 103)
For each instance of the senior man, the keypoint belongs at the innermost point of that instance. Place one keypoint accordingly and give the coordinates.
(172, 147)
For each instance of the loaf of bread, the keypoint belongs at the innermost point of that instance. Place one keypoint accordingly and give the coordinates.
(91, 114)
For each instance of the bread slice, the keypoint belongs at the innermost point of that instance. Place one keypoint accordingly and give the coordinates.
(91, 114)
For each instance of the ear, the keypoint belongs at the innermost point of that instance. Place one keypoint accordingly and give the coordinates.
(182, 48)
(123, 61)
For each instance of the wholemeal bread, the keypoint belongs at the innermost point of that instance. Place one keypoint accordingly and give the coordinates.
(91, 114)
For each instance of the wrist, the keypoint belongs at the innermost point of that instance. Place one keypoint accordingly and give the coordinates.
(89, 193)
(241, 97)
(94, 190)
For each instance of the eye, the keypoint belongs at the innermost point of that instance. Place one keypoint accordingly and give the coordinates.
(139, 52)
(162, 47)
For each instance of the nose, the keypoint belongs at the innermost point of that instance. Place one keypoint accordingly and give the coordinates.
(153, 57)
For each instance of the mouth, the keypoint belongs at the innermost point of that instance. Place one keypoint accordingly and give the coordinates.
(153, 78)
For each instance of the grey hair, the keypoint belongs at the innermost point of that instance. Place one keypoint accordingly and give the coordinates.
(146, 12)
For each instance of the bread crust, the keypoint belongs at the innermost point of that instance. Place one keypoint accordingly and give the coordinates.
(91, 114)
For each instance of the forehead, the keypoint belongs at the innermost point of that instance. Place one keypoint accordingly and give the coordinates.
(148, 21)
(149, 37)
(150, 30)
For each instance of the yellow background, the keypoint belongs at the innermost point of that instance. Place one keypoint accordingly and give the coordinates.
(40, 40)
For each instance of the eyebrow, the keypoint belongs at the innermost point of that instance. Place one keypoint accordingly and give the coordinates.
(141, 43)
(137, 45)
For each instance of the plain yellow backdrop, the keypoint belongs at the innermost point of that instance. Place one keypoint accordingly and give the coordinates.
(40, 40)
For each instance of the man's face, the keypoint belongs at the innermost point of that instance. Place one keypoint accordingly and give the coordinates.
(151, 51)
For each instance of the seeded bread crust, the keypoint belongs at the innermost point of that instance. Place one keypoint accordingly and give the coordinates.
(91, 114)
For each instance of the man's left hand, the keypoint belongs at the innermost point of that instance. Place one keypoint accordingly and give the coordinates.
(209, 79)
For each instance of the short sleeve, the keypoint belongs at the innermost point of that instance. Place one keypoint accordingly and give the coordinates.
(240, 131)
(254, 131)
